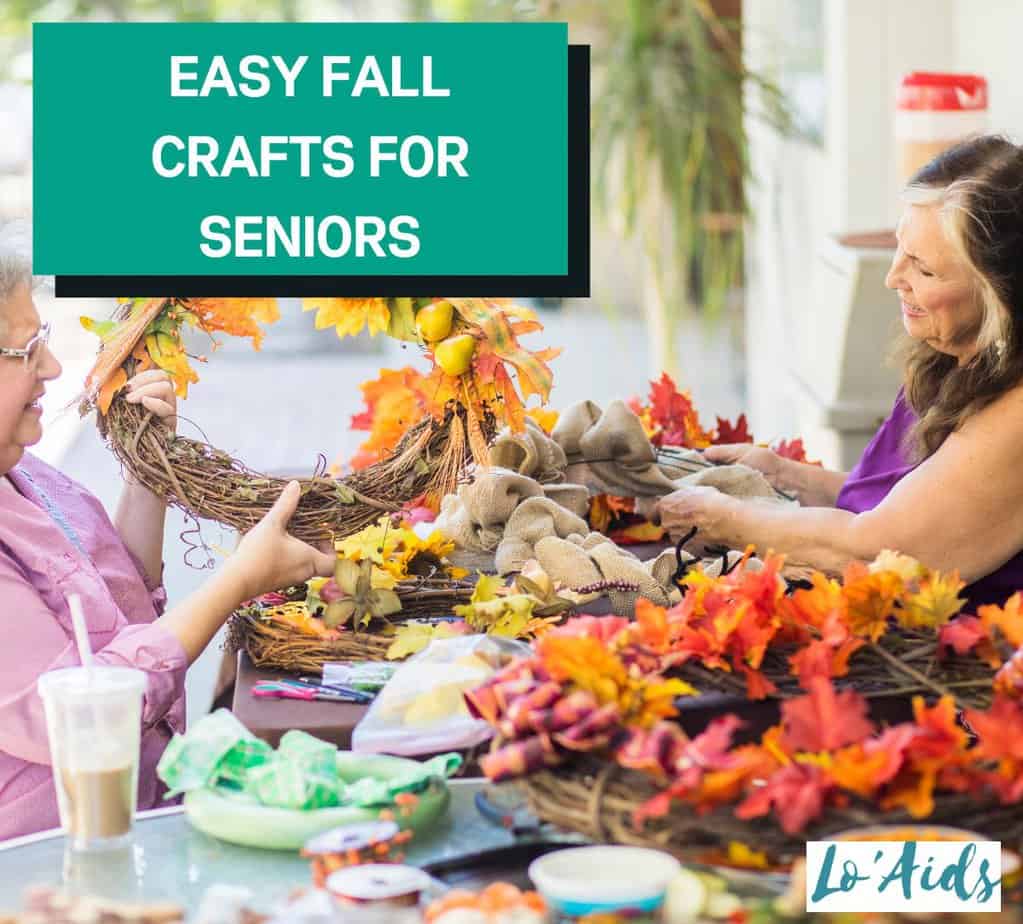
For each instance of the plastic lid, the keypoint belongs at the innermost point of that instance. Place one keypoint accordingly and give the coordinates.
(377, 882)
(925, 90)
(100, 682)
(351, 837)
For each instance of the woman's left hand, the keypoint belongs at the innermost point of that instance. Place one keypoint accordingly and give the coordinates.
(154, 390)
(703, 507)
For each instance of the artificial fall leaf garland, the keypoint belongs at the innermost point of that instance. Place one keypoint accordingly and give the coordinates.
(582, 692)
(728, 623)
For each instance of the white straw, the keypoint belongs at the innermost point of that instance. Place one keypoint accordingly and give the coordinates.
(74, 603)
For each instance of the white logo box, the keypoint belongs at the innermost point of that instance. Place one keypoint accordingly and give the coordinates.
(896, 876)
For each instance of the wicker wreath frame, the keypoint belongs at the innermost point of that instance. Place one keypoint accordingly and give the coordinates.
(280, 647)
(599, 800)
(902, 663)
(207, 483)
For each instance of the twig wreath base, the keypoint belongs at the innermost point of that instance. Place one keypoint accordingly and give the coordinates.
(599, 800)
(273, 645)
(902, 663)
(206, 483)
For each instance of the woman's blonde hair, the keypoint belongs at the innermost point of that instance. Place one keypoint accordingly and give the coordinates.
(977, 186)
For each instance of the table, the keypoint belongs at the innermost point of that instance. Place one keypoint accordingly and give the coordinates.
(270, 718)
(172, 861)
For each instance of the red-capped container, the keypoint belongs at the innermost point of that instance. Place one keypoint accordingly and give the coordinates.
(933, 112)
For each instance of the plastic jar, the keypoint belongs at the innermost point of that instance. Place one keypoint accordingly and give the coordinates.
(933, 112)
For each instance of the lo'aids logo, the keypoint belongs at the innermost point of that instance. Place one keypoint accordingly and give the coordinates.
(892, 876)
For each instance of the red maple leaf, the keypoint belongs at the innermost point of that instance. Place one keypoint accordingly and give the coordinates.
(733, 433)
(999, 729)
(895, 743)
(667, 404)
(796, 792)
(819, 659)
(709, 750)
(791, 449)
(824, 719)
(363, 420)
(962, 635)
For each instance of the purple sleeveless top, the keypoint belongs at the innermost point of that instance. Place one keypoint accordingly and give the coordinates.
(882, 464)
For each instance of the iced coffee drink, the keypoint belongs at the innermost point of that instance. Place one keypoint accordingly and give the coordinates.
(93, 720)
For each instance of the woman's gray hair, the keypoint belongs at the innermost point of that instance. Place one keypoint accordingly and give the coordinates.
(15, 262)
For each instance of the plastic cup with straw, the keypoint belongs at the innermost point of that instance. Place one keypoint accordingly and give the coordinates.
(93, 721)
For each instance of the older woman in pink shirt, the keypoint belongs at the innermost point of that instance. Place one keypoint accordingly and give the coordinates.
(56, 539)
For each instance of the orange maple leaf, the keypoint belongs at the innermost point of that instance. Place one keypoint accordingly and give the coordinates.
(941, 733)
(1008, 619)
(870, 599)
(819, 659)
(821, 607)
(652, 622)
(394, 402)
(913, 790)
(237, 317)
(860, 772)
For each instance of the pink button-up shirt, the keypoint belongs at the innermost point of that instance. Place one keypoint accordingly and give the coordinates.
(56, 539)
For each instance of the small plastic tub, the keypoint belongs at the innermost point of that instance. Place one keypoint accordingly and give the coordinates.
(378, 884)
(584, 880)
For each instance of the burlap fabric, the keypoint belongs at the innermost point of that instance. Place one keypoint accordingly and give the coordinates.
(532, 503)
(531, 453)
(475, 516)
(608, 452)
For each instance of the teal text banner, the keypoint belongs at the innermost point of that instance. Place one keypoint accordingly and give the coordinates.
(385, 150)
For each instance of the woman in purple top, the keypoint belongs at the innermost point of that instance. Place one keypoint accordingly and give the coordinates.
(56, 539)
(941, 480)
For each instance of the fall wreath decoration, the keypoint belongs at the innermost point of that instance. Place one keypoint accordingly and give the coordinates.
(474, 349)
(585, 724)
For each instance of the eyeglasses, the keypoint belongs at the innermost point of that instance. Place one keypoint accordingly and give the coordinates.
(32, 351)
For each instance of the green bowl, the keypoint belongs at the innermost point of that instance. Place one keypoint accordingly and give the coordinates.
(238, 819)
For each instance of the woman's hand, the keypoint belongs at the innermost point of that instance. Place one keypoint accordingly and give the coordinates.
(705, 508)
(269, 558)
(154, 390)
(764, 460)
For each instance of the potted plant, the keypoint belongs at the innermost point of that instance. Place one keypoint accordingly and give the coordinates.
(669, 148)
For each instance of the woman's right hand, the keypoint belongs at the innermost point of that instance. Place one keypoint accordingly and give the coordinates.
(270, 558)
(764, 460)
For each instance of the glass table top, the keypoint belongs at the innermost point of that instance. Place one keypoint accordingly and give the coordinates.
(170, 860)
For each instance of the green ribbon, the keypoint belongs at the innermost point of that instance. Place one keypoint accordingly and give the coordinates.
(219, 752)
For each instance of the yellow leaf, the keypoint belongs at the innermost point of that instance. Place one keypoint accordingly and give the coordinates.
(348, 316)
(934, 603)
(487, 586)
(744, 856)
(545, 417)
(413, 637)
(907, 568)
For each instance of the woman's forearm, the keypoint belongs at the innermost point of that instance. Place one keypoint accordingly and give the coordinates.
(812, 485)
(199, 616)
(139, 520)
(818, 537)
